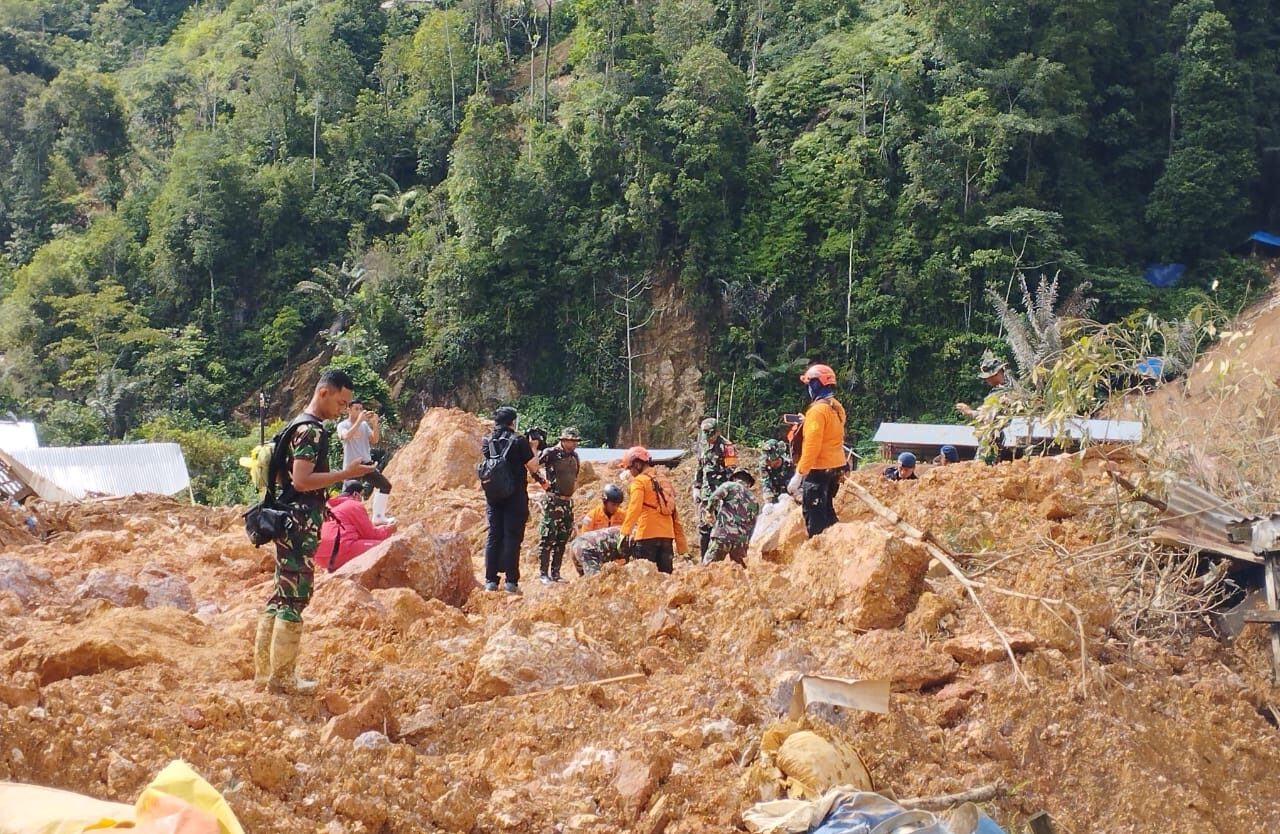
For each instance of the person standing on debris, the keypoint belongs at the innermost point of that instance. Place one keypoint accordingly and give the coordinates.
(507, 516)
(651, 528)
(991, 418)
(905, 470)
(947, 454)
(776, 470)
(822, 456)
(359, 432)
(736, 509)
(593, 548)
(716, 457)
(561, 465)
(608, 513)
(302, 480)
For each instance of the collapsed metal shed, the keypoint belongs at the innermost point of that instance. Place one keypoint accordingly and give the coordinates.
(17, 435)
(90, 471)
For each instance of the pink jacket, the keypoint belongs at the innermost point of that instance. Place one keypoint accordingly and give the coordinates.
(358, 532)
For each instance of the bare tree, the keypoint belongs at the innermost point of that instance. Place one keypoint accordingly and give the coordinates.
(628, 305)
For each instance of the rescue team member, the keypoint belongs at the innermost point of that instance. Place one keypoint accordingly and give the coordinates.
(651, 527)
(822, 458)
(905, 469)
(608, 513)
(735, 508)
(561, 466)
(716, 457)
(302, 480)
(593, 548)
(776, 470)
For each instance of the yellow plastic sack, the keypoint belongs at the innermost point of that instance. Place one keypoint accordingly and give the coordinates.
(34, 809)
(814, 765)
(180, 781)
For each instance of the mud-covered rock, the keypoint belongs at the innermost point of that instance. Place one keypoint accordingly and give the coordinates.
(435, 566)
(525, 656)
(875, 575)
(26, 581)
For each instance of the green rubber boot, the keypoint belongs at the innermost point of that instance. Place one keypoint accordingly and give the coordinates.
(286, 639)
(262, 650)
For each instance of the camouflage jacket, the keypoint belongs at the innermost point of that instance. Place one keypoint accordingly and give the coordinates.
(712, 469)
(561, 468)
(735, 509)
(603, 545)
(773, 482)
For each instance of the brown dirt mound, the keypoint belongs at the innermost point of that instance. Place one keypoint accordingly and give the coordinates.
(496, 719)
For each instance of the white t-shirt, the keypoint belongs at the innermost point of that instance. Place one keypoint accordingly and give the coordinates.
(358, 447)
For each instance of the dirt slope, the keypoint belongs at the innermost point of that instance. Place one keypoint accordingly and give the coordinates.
(104, 677)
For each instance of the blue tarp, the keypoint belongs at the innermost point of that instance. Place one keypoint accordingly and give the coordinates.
(1164, 275)
(1265, 237)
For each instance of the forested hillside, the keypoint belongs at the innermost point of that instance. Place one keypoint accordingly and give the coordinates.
(195, 196)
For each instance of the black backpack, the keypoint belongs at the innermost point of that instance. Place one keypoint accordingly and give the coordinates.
(497, 476)
(271, 519)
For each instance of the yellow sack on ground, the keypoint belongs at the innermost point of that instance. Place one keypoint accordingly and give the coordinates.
(180, 781)
(34, 809)
(814, 765)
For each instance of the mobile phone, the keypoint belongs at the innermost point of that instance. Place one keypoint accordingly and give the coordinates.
(792, 418)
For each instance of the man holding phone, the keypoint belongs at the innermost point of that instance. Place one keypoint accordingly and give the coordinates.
(358, 432)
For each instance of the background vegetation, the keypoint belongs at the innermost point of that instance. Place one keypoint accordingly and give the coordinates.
(194, 195)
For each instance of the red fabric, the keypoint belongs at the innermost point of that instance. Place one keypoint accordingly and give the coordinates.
(358, 532)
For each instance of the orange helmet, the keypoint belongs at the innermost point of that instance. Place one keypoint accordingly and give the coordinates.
(822, 373)
(635, 453)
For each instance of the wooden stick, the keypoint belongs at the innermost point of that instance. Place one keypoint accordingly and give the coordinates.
(982, 793)
(938, 552)
(570, 687)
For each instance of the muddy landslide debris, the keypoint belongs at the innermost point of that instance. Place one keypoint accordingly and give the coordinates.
(629, 700)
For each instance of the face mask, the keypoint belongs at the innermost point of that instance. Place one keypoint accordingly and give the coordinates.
(624, 476)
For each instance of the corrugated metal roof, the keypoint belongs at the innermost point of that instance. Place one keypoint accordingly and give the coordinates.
(1022, 429)
(1195, 517)
(926, 434)
(18, 435)
(110, 470)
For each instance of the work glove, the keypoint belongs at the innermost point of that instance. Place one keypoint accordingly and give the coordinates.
(793, 486)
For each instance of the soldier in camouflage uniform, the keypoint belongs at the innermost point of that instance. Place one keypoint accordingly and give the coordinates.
(776, 470)
(990, 419)
(735, 508)
(303, 478)
(715, 463)
(560, 466)
(591, 550)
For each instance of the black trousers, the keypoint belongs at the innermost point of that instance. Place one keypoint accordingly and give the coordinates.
(661, 552)
(817, 499)
(506, 533)
(378, 481)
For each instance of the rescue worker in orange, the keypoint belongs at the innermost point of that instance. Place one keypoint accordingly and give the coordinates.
(822, 458)
(651, 526)
(608, 513)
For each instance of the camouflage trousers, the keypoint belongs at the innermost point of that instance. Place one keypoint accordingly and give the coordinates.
(719, 549)
(296, 567)
(553, 533)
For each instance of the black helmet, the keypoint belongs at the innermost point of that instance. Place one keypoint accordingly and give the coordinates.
(613, 492)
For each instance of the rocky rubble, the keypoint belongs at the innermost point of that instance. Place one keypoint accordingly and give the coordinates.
(627, 701)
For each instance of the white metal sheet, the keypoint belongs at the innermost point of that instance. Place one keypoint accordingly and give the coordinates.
(19, 435)
(123, 469)
(925, 434)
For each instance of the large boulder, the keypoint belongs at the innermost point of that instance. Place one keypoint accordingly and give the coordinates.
(118, 638)
(434, 566)
(779, 531)
(155, 586)
(876, 576)
(525, 656)
(345, 603)
(443, 453)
